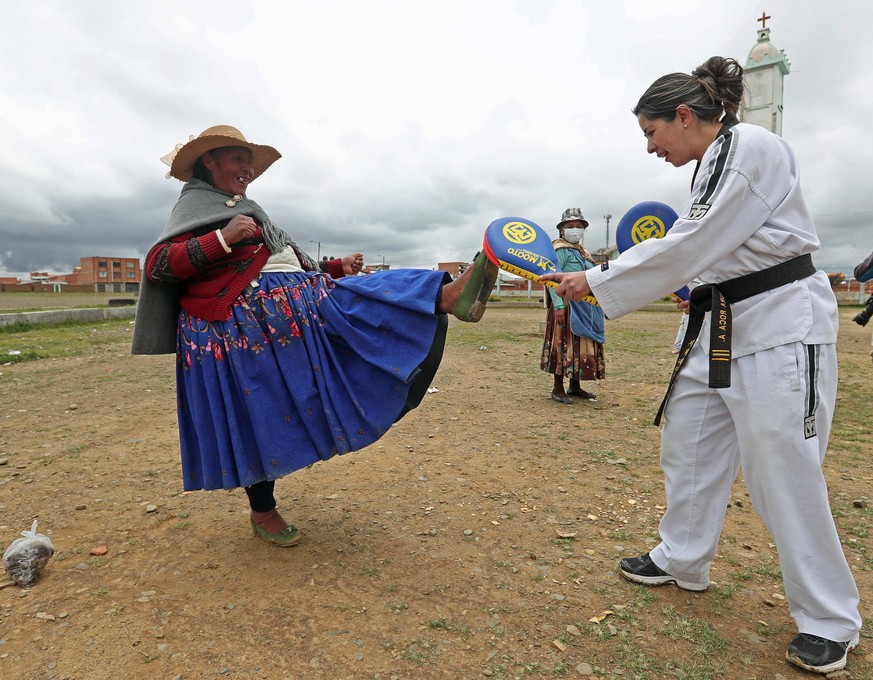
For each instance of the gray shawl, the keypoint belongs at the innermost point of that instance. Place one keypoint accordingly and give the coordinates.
(200, 204)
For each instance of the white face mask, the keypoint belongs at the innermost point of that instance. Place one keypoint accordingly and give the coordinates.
(573, 235)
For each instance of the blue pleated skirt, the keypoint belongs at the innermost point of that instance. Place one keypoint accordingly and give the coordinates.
(306, 368)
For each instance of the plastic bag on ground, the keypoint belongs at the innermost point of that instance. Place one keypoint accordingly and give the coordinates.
(25, 557)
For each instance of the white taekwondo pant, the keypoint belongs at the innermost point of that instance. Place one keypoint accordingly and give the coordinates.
(763, 423)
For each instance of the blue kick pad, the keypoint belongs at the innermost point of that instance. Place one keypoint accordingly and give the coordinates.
(649, 219)
(520, 247)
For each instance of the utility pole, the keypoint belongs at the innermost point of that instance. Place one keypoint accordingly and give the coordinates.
(607, 217)
(318, 255)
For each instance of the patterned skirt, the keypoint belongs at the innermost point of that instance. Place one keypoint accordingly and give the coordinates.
(306, 368)
(569, 355)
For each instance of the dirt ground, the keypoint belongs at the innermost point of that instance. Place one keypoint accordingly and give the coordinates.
(478, 538)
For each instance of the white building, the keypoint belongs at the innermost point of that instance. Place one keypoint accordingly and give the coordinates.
(765, 70)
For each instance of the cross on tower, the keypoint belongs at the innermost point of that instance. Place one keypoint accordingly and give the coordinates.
(763, 19)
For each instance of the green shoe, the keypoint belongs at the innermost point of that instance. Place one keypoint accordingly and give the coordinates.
(471, 303)
(284, 539)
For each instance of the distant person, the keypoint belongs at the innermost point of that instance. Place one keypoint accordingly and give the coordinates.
(758, 390)
(863, 273)
(282, 361)
(574, 336)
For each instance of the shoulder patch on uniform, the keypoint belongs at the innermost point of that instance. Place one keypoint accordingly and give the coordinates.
(604, 266)
(697, 211)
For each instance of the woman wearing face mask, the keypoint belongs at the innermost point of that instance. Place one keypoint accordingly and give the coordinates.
(573, 343)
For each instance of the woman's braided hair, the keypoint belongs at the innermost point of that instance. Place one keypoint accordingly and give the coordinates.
(713, 88)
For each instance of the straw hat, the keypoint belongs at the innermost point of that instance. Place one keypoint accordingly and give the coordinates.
(181, 159)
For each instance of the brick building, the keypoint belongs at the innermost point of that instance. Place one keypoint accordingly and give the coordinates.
(455, 269)
(107, 274)
(507, 284)
(94, 274)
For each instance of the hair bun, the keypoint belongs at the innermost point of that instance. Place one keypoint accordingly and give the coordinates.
(722, 78)
(712, 89)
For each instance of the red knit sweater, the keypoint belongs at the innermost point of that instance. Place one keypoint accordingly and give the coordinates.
(212, 278)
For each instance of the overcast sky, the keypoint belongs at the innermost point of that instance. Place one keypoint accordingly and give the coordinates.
(406, 126)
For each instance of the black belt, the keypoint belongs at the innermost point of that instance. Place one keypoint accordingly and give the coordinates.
(717, 298)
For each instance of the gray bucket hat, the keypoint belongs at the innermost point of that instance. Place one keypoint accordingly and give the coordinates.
(572, 214)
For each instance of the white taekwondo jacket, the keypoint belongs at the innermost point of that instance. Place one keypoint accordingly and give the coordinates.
(746, 214)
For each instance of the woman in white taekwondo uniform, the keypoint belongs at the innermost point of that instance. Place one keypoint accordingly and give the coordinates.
(757, 386)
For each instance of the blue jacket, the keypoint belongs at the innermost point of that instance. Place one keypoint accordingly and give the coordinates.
(586, 317)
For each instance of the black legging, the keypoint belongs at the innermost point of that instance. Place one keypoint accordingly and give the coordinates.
(261, 496)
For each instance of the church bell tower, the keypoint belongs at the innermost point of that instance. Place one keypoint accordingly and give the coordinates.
(765, 70)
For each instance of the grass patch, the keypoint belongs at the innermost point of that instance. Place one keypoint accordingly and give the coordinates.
(472, 335)
(26, 355)
(703, 634)
(723, 592)
(633, 341)
(25, 310)
(637, 663)
(707, 670)
(72, 338)
(420, 652)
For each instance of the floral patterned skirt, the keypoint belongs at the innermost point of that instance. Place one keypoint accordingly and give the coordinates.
(569, 355)
(306, 368)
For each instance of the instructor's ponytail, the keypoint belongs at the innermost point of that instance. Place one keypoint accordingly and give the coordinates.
(713, 88)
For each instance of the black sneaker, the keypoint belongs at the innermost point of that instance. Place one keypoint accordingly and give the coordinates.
(819, 654)
(643, 570)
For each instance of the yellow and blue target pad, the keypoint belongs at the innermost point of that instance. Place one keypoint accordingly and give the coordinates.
(649, 219)
(520, 247)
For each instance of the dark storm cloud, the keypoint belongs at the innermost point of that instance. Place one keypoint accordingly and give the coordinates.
(124, 227)
(404, 148)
